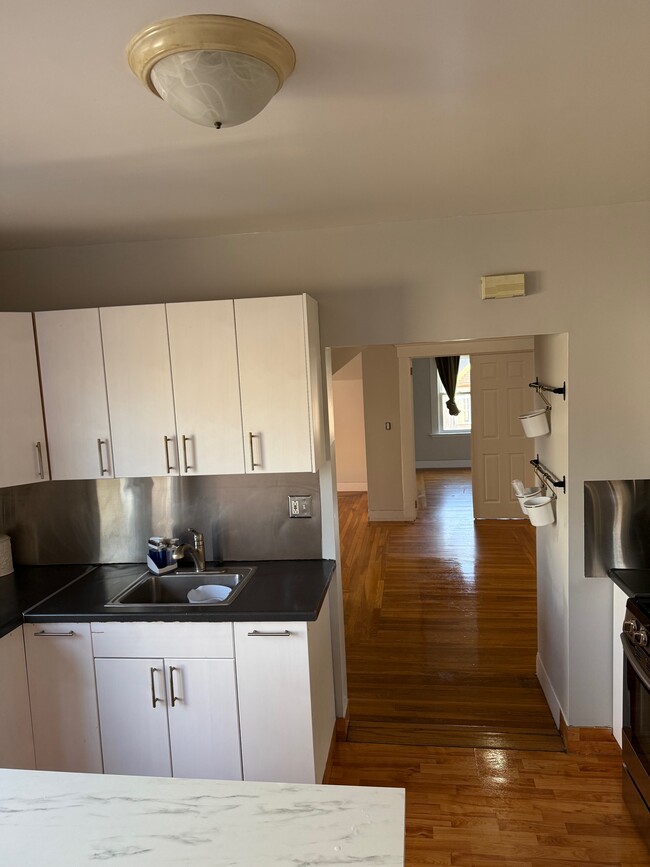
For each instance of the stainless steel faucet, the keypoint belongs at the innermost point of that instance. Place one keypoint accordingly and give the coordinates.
(195, 551)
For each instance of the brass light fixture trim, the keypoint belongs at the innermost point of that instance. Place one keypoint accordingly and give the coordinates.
(212, 33)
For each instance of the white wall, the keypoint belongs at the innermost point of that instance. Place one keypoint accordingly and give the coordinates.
(553, 586)
(349, 426)
(431, 450)
(381, 407)
(588, 273)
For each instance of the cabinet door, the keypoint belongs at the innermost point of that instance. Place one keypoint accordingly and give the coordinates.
(203, 718)
(133, 716)
(63, 697)
(206, 387)
(275, 373)
(139, 384)
(275, 702)
(23, 457)
(16, 742)
(74, 394)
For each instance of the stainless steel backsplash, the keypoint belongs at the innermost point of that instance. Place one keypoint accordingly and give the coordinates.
(617, 526)
(110, 520)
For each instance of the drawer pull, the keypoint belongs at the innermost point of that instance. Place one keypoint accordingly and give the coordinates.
(174, 697)
(188, 467)
(251, 437)
(39, 455)
(256, 634)
(154, 698)
(100, 443)
(44, 634)
(168, 440)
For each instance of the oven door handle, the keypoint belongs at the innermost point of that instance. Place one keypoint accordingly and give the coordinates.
(640, 673)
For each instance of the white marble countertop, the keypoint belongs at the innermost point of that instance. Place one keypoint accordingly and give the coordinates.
(54, 819)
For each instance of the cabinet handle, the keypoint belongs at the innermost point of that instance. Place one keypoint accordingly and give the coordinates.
(255, 634)
(187, 466)
(167, 442)
(174, 697)
(39, 455)
(44, 634)
(251, 437)
(101, 443)
(154, 699)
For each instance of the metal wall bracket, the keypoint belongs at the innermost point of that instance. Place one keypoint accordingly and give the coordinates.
(550, 388)
(546, 476)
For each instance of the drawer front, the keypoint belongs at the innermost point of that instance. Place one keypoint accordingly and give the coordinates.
(189, 640)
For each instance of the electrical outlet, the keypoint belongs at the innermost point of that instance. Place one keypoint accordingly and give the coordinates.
(300, 507)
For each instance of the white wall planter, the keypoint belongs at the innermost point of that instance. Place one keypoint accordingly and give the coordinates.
(536, 422)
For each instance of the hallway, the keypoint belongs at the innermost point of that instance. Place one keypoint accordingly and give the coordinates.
(441, 643)
(441, 625)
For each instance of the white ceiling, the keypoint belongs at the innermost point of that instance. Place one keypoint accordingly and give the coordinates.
(396, 110)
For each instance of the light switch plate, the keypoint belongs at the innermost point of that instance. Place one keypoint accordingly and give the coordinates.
(300, 507)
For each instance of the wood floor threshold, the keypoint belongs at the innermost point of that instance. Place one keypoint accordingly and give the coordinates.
(477, 737)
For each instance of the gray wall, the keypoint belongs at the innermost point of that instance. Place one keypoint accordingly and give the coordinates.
(443, 449)
(588, 272)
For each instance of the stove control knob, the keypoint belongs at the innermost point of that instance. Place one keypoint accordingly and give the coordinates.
(640, 637)
(630, 627)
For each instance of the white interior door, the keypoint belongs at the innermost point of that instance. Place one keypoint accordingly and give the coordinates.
(139, 384)
(203, 718)
(133, 716)
(23, 456)
(74, 394)
(500, 451)
(203, 353)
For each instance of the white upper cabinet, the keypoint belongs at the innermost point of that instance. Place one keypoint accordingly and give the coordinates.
(203, 351)
(279, 374)
(23, 456)
(139, 384)
(74, 394)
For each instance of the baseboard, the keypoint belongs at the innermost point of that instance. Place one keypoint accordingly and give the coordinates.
(351, 487)
(441, 465)
(549, 693)
(397, 515)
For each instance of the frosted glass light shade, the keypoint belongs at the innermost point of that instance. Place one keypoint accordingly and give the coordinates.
(214, 88)
(215, 70)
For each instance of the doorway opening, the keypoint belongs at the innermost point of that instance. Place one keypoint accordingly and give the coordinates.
(440, 608)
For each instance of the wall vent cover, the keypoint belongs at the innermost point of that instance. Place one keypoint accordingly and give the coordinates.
(502, 286)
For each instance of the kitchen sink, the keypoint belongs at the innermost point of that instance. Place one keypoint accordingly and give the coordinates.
(171, 589)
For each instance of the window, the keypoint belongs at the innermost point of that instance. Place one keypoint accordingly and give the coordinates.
(456, 423)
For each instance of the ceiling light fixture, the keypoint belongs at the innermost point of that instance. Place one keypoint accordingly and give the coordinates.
(215, 70)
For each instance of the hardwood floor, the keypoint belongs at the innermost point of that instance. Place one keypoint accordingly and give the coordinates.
(441, 638)
(441, 628)
(485, 808)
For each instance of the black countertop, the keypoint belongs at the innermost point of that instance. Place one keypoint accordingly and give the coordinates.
(279, 590)
(634, 582)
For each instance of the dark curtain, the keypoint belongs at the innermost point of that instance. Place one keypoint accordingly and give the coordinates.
(448, 372)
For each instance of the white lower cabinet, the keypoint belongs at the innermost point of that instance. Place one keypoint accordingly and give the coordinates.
(63, 697)
(16, 743)
(168, 716)
(286, 699)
